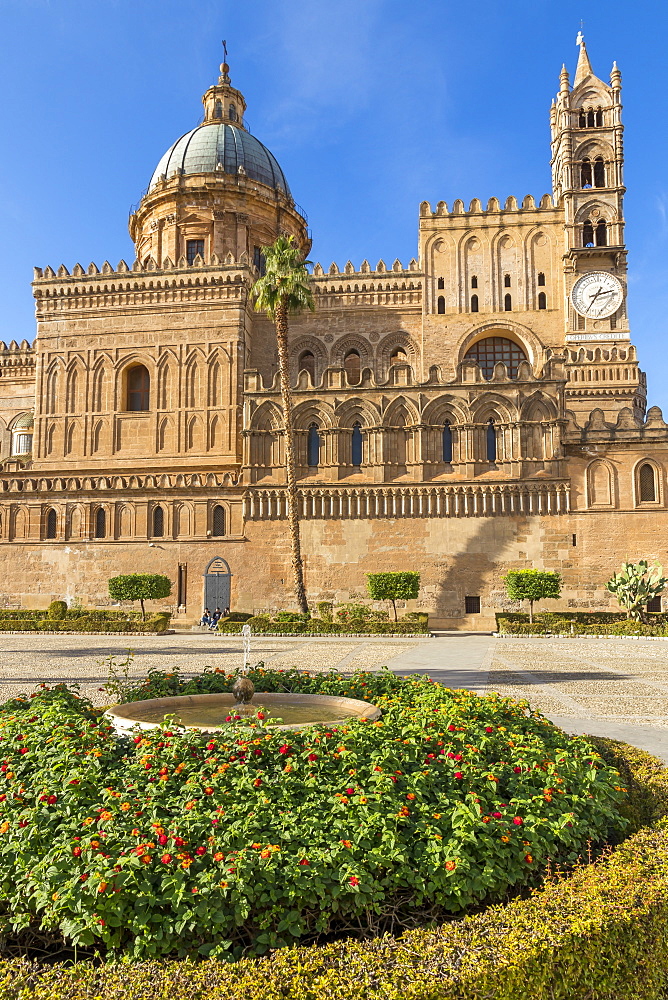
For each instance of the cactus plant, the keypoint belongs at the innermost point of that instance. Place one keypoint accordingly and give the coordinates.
(635, 585)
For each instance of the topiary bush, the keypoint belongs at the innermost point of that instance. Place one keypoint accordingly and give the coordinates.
(188, 844)
(57, 610)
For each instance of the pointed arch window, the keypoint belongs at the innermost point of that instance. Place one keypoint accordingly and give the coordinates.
(601, 234)
(313, 447)
(599, 117)
(506, 281)
(541, 278)
(356, 444)
(440, 305)
(585, 173)
(508, 303)
(542, 300)
(352, 364)
(491, 441)
(306, 363)
(138, 388)
(158, 522)
(474, 303)
(51, 523)
(591, 121)
(441, 282)
(582, 120)
(474, 281)
(647, 483)
(100, 523)
(218, 521)
(588, 234)
(447, 442)
(599, 172)
(398, 356)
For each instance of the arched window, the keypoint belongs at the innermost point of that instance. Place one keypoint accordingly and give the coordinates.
(218, 521)
(599, 117)
(306, 363)
(100, 523)
(582, 120)
(218, 109)
(441, 282)
(440, 305)
(491, 441)
(591, 122)
(158, 522)
(352, 365)
(313, 447)
(233, 112)
(398, 356)
(138, 388)
(51, 523)
(447, 442)
(474, 303)
(489, 351)
(356, 444)
(585, 173)
(542, 300)
(647, 483)
(507, 303)
(506, 281)
(601, 234)
(541, 278)
(194, 248)
(474, 281)
(599, 172)
(588, 234)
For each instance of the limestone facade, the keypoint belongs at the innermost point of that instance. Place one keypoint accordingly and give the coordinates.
(457, 414)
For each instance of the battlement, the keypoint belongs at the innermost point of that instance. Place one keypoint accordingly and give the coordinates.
(138, 267)
(381, 270)
(493, 206)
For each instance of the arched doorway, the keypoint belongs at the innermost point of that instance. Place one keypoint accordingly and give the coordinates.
(217, 578)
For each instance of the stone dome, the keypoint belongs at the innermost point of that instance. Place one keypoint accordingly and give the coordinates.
(221, 146)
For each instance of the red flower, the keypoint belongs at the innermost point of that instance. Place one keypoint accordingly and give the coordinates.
(489, 729)
(451, 729)
(23, 750)
(458, 774)
(304, 861)
(496, 815)
(257, 782)
(284, 749)
(517, 770)
(76, 852)
(518, 821)
(228, 718)
(350, 791)
(260, 716)
(208, 791)
(166, 858)
(162, 839)
(354, 880)
(194, 889)
(312, 756)
(137, 739)
(179, 841)
(200, 850)
(52, 799)
(82, 878)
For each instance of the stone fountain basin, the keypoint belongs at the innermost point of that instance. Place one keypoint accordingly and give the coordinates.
(207, 712)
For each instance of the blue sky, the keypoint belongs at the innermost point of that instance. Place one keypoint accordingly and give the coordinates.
(370, 106)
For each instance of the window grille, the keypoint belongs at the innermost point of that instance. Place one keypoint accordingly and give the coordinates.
(647, 482)
(492, 349)
(218, 521)
(100, 523)
(472, 605)
(51, 524)
(158, 522)
(654, 605)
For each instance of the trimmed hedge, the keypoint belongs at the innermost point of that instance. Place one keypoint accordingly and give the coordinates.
(600, 933)
(317, 626)
(83, 622)
(579, 623)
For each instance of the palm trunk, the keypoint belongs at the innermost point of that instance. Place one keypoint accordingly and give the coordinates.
(281, 321)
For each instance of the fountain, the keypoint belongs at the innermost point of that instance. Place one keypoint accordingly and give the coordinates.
(209, 712)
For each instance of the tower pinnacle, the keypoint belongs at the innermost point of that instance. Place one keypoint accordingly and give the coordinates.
(584, 66)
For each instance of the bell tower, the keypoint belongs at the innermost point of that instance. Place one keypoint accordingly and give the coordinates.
(588, 184)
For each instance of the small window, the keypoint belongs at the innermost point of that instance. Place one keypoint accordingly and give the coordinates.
(582, 120)
(601, 234)
(22, 444)
(491, 441)
(588, 234)
(193, 248)
(647, 483)
(138, 388)
(440, 305)
(51, 523)
(474, 303)
(508, 303)
(100, 523)
(506, 281)
(313, 447)
(158, 522)
(258, 261)
(585, 173)
(574, 540)
(599, 172)
(218, 521)
(352, 364)
(218, 109)
(541, 278)
(542, 300)
(233, 113)
(591, 120)
(472, 605)
(307, 363)
(447, 442)
(356, 444)
(654, 606)
(441, 282)
(474, 281)
(599, 118)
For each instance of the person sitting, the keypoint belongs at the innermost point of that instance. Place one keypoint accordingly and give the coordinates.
(214, 618)
(206, 618)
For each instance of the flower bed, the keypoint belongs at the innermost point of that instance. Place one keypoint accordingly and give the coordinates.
(580, 623)
(185, 845)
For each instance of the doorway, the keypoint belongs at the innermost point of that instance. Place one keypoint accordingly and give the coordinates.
(217, 580)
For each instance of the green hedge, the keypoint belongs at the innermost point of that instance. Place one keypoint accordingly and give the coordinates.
(86, 623)
(317, 626)
(600, 933)
(580, 623)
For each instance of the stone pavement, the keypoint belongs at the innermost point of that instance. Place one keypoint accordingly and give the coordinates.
(615, 687)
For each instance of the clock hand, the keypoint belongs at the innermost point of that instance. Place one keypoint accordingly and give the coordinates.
(593, 299)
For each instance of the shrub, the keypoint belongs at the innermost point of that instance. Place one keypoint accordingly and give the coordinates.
(238, 616)
(393, 587)
(635, 585)
(57, 610)
(139, 587)
(325, 610)
(580, 623)
(532, 585)
(196, 844)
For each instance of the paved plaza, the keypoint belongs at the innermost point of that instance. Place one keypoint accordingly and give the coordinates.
(613, 687)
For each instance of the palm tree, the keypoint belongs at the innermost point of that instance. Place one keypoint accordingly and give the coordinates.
(283, 290)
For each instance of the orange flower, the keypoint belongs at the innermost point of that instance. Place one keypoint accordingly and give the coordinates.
(223, 885)
(505, 839)
(450, 865)
(528, 858)
(4, 827)
(265, 854)
(186, 863)
(105, 815)
(346, 843)
(102, 887)
(219, 856)
(411, 795)
(125, 806)
(437, 815)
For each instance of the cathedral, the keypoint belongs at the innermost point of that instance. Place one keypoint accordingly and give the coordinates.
(476, 409)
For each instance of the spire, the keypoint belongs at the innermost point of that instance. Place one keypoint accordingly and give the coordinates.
(584, 66)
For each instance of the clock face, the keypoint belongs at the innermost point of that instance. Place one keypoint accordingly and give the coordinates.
(597, 295)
